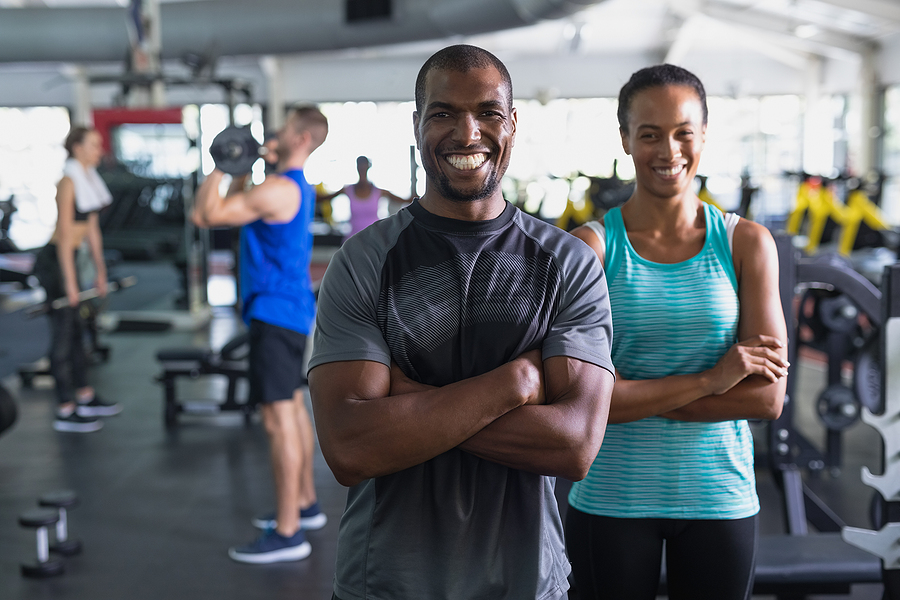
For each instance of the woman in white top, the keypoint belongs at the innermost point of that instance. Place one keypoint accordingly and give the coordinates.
(80, 195)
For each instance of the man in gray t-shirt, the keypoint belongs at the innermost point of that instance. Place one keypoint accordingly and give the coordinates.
(460, 363)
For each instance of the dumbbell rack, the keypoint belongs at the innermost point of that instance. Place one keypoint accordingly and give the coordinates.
(885, 543)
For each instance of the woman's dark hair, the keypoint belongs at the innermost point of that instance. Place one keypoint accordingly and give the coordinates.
(657, 76)
(76, 136)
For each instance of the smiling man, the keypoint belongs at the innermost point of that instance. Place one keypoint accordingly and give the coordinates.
(460, 363)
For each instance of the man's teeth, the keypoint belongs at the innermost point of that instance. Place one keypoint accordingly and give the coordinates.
(670, 171)
(466, 162)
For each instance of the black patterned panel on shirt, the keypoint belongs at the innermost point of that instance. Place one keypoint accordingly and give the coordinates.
(456, 306)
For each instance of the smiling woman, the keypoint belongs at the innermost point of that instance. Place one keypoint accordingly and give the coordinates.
(685, 283)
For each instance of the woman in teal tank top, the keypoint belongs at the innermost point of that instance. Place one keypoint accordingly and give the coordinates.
(699, 348)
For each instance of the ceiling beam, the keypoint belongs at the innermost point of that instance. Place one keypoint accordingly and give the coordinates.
(695, 24)
(785, 29)
(766, 44)
(684, 39)
(880, 9)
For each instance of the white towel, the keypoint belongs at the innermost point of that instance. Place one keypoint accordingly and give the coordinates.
(91, 192)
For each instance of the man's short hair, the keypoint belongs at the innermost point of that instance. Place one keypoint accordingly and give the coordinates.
(460, 58)
(308, 117)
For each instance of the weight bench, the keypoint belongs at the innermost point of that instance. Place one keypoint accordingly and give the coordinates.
(793, 566)
(230, 362)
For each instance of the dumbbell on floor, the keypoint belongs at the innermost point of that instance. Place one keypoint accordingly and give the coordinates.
(40, 519)
(62, 500)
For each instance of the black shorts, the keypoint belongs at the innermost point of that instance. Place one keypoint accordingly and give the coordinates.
(276, 362)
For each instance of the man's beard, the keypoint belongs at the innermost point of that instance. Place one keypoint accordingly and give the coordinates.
(446, 189)
(451, 193)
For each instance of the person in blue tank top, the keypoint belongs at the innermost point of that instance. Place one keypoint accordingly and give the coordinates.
(279, 308)
(699, 347)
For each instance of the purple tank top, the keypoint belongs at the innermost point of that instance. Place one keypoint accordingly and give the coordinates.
(363, 211)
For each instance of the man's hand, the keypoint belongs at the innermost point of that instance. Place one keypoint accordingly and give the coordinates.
(757, 355)
(535, 375)
(530, 362)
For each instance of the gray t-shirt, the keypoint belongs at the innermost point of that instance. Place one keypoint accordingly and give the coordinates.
(449, 300)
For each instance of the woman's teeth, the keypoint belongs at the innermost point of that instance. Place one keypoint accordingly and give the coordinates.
(670, 171)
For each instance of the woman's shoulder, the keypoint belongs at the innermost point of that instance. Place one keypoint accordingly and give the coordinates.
(65, 189)
(752, 240)
(593, 233)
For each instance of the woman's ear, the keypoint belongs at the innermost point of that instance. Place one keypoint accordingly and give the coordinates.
(624, 136)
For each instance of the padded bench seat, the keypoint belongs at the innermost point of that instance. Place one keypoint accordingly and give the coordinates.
(792, 566)
(818, 563)
(198, 355)
(230, 362)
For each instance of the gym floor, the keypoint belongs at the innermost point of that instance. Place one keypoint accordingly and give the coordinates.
(160, 508)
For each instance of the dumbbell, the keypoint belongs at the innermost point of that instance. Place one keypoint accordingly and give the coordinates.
(235, 150)
(39, 519)
(61, 501)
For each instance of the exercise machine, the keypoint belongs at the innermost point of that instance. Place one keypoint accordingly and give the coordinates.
(799, 562)
(885, 542)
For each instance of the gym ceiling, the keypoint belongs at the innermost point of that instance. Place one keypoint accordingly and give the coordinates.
(554, 48)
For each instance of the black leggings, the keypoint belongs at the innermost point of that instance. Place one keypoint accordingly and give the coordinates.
(621, 558)
(68, 361)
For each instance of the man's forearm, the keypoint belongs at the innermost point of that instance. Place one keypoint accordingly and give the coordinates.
(559, 438)
(206, 199)
(370, 434)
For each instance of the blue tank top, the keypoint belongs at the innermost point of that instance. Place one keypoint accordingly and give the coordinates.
(275, 282)
(671, 319)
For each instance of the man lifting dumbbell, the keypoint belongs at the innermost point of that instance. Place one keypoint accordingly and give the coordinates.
(278, 307)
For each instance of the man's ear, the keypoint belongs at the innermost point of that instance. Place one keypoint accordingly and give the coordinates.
(624, 135)
(513, 119)
(416, 127)
(305, 139)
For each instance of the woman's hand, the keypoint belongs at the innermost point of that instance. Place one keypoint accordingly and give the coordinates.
(102, 286)
(758, 355)
(72, 294)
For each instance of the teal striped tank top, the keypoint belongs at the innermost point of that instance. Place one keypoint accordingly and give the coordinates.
(671, 319)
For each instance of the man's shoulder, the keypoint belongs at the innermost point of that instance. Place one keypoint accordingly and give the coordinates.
(373, 243)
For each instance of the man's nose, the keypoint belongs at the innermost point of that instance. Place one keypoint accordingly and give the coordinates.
(468, 130)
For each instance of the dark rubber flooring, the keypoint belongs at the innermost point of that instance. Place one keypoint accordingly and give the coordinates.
(160, 508)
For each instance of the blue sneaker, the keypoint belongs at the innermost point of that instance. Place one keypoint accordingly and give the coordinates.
(273, 547)
(311, 518)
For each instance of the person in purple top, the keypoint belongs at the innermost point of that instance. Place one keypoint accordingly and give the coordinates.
(364, 198)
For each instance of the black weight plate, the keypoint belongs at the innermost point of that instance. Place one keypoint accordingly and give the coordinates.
(838, 313)
(867, 376)
(837, 407)
(234, 150)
